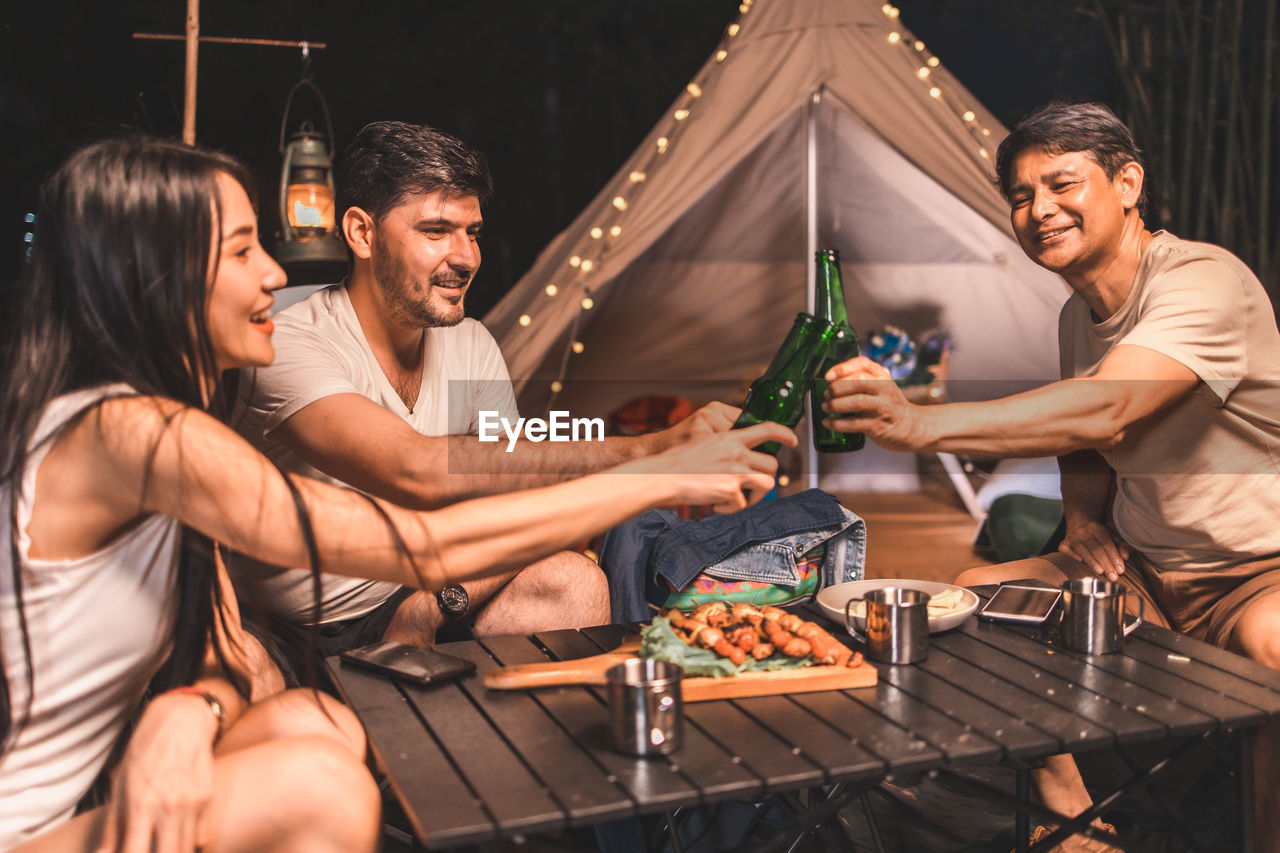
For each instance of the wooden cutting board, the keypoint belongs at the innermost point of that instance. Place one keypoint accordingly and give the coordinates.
(591, 670)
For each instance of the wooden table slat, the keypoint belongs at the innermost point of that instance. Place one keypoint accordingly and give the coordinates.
(581, 786)
(1236, 664)
(1205, 675)
(438, 803)
(901, 751)
(752, 744)
(842, 757)
(957, 741)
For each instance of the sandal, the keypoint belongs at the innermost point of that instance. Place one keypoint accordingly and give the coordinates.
(1082, 845)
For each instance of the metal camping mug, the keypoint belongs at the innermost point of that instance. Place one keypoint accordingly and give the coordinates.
(897, 624)
(646, 712)
(1093, 615)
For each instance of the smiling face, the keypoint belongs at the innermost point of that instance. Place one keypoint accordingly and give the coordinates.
(425, 252)
(1068, 216)
(239, 305)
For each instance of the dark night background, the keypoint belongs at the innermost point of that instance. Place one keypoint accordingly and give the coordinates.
(557, 93)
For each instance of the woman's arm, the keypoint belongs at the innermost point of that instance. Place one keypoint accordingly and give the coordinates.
(140, 454)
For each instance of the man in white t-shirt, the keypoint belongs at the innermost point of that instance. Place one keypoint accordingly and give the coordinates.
(1166, 424)
(378, 384)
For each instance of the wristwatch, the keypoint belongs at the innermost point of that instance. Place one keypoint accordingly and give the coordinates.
(453, 601)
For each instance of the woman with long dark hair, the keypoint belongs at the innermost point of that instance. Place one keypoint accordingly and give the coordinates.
(147, 283)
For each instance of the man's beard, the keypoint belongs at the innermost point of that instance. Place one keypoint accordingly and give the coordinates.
(408, 306)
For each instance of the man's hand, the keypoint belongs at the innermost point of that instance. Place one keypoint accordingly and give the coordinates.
(165, 781)
(1093, 544)
(862, 397)
(711, 419)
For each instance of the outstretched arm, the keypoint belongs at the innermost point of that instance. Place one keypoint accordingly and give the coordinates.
(137, 455)
(355, 440)
(1075, 414)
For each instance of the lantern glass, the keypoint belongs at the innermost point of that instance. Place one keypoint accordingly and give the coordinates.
(309, 205)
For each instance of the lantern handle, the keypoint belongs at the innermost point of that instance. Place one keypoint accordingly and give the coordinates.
(324, 107)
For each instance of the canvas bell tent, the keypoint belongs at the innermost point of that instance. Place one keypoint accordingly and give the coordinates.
(815, 124)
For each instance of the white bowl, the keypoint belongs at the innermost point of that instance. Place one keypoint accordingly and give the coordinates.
(833, 599)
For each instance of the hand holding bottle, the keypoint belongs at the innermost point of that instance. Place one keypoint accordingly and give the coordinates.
(863, 397)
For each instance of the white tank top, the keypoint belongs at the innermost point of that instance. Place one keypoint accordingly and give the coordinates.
(99, 628)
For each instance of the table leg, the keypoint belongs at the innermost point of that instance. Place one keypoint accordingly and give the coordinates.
(1245, 742)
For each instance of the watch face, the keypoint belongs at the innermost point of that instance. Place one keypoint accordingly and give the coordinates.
(452, 600)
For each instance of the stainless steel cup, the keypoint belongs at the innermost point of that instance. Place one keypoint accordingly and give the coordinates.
(1093, 616)
(897, 624)
(646, 713)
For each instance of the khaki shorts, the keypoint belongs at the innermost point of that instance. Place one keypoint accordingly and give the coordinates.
(1203, 605)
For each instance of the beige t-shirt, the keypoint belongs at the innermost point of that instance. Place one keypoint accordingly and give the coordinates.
(1198, 483)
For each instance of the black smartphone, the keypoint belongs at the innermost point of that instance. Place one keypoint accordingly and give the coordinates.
(1025, 604)
(408, 663)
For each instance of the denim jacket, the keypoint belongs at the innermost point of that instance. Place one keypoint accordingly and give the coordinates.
(760, 543)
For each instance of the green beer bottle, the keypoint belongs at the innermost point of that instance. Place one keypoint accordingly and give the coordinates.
(843, 346)
(778, 395)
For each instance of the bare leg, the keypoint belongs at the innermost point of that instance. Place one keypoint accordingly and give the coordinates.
(565, 590)
(305, 791)
(1257, 636)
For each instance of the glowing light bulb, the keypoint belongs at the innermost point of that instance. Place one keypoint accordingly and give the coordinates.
(982, 152)
(552, 290)
(694, 89)
(575, 261)
(968, 115)
(587, 303)
(525, 319)
(662, 144)
(893, 11)
(637, 177)
(919, 45)
(587, 265)
(681, 115)
(744, 7)
(615, 231)
(578, 347)
(933, 62)
(935, 92)
(597, 232)
(733, 30)
(620, 202)
(986, 132)
(895, 37)
(922, 72)
(557, 387)
(887, 8)
(784, 480)
(721, 54)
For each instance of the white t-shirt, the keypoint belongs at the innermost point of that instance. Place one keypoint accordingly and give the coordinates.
(99, 628)
(1198, 483)
(321, 351)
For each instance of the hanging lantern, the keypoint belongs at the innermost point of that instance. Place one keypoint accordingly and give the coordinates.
(309, 240)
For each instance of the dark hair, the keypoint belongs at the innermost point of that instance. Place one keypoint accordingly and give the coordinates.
(1060, 127)
(388, 160)
(116, 292)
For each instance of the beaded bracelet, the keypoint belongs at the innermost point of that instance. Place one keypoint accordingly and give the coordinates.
(215, 706)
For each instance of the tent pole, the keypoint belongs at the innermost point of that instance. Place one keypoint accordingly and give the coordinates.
(811, 276)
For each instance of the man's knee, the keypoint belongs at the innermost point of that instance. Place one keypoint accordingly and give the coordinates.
(567, 577)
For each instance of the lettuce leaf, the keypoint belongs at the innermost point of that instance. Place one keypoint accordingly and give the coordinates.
(660, 642)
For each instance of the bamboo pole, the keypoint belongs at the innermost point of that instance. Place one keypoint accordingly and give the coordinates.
(1265, 142)
(1164, 189)
(1233, 83)
(1182, 211)
(1203, 206)
(193, 49)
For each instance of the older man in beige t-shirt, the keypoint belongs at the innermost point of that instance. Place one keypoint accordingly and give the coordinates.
(1166, 424)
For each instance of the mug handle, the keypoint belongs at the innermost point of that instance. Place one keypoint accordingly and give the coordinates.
(1142, 611)
(848, 619)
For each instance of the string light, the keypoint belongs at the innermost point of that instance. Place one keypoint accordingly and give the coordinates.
(525, 319)
(986, 132)
(578, 347)
(681, 115)
(733, 30)
(620, 202)
(615, 231)
(587, 265)
(597, 232)
(552, 290)
(587, 303)
(557, 386)
(784, 480)
(662, 144)
(575, 261)
(968, 115)
(935, 92)
(922, 72)
(982, 152)
(932, 62)
(895, 37)
(694, 89)
(919, 45)
(721, 54)
(636, 177)
(743, 8)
